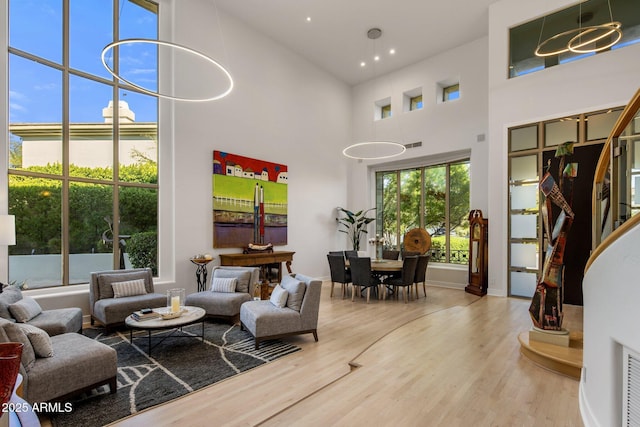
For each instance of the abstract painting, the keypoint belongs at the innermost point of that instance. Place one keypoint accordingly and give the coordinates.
(249, 201)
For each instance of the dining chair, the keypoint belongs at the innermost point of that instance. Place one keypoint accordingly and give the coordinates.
(361, 276)
(389, 254)
(409, 253)
(406, 277)
(421, 273)
(339, 272)
(350, 254)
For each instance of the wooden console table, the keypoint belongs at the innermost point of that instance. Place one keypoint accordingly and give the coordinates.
(258, 259)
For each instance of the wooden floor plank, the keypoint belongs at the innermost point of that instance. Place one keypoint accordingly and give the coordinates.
(450, 359)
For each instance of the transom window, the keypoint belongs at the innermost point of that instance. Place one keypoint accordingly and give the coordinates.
(415, 103)
(83, 175)
(385, 111)
(450, 93)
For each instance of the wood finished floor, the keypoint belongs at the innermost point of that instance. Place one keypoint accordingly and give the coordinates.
(451, 359)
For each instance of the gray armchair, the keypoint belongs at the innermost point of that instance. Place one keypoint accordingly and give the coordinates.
(266, 321)
(76, 363)
(110, 310)
(54, 322)
(226, 305)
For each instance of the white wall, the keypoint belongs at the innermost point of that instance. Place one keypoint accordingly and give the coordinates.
(604, 80)
(443, 128)
(283, 109)
(611, 319)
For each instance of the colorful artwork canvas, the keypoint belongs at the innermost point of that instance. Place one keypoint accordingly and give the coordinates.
(249, 201)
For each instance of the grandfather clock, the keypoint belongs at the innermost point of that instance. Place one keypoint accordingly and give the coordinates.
(478, 253)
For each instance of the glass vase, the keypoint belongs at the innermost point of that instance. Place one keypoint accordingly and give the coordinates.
(10, 353)
(175, 300)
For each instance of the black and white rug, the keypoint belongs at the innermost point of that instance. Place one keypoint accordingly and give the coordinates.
(177, 366)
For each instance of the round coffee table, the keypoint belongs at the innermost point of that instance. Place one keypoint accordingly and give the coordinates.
(190, 316)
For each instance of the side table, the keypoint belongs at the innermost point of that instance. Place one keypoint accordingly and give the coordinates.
(201, 272)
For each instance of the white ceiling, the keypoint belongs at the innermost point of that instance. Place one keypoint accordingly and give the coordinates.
(336, 37)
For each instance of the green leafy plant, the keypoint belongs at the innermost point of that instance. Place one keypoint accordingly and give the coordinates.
(354, 225)
(143, 250)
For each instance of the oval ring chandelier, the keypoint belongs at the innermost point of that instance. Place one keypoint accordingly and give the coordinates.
(374, 150)
(175, 46)
(607, 29)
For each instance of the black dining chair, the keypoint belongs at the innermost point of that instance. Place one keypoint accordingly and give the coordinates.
(389, 254)
(410, 253)
(421, 273)
(350, 254)
(406, 277)
(339, 272)
(361, 276)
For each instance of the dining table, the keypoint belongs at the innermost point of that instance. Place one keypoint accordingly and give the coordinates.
(382, 268)
(386, 265)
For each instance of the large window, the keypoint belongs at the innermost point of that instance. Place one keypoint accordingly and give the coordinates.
(435, 198)
(83, 177)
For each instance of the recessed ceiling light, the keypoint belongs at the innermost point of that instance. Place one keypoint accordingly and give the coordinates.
(362, 64)
(376, 58)
(308, 19)
(392, 51)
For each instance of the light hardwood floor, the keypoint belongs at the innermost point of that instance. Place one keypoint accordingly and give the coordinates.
(451, 359)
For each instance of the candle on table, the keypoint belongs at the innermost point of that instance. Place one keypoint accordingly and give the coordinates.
(175, 304)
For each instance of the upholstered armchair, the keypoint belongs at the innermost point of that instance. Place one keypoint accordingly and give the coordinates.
(115, 294)
(58, 367)
(16, 307)
(229, 288)
(294, 314)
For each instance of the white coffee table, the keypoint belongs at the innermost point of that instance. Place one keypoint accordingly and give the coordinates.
(190, 316)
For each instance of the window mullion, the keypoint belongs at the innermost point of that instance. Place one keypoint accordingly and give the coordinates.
(422, 199)
(447, 222)
(66, 136)
(398, 213)
(116, 139)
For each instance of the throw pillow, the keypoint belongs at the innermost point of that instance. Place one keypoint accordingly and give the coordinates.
(296, 289)
(39, 339)
(128, 288)
(25, 309)
(227, 284)
(105, 280)
(9, 295)
(279, 296)
(243, 277)
(15, 334)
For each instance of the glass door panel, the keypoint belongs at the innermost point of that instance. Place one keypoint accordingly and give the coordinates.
(525, 138)
(524, 226)
(563, 130)
(524, 168)
(523, 284)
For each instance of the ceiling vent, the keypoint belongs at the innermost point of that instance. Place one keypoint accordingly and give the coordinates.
(413, 145)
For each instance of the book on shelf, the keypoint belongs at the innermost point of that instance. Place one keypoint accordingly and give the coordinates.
(139, 316)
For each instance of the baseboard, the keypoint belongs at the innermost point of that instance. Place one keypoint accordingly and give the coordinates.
(586, 413)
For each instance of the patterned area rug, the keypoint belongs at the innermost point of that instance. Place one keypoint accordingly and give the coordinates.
(177, 366)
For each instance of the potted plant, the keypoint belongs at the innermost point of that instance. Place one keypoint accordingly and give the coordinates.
(354, 224)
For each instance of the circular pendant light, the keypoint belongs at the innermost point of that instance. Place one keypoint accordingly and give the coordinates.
(374, 150)
(188, 50)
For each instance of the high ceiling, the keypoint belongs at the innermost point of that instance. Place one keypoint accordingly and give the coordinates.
(335, 37)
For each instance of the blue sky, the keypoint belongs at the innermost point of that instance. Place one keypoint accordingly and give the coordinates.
(35, 90)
